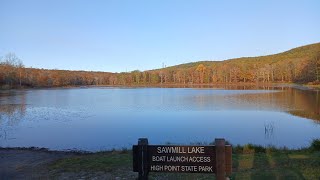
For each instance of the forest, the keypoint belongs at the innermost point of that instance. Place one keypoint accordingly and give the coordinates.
(299, 65)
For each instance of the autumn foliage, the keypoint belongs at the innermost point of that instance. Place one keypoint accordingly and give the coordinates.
(297, 65)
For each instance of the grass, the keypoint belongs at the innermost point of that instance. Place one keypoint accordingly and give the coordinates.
(278, 165)
(315, 145)
(249, 162)
(102, 161)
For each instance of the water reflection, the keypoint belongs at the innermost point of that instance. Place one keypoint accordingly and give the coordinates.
(305, 104)
(11, 114)
(90, 118)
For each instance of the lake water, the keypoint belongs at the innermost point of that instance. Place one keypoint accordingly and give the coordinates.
(96, 119)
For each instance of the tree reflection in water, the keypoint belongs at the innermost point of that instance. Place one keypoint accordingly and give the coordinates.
(11, 114)
(268, 114)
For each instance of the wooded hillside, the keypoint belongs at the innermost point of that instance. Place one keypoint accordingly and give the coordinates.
(300, 64)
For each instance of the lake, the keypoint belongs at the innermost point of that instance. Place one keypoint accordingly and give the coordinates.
(102, 118)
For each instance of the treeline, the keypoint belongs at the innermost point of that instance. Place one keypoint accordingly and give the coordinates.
(14, 74)
(297, 65)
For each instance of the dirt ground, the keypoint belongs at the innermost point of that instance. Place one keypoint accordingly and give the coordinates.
(27, 164)
(34, 164)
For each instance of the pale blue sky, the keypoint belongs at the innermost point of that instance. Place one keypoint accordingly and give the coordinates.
(115, 35)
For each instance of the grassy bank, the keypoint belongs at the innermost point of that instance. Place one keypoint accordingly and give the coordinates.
(249, 162)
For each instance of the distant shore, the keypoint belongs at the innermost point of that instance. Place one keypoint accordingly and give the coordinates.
(248, 85)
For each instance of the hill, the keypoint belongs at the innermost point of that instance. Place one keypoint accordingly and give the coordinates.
(300, 64)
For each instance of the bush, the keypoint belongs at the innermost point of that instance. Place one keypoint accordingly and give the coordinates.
(271, 149)
(248, 149)
(237, 149)
(315, 145)
(259, 149)
(251, 148)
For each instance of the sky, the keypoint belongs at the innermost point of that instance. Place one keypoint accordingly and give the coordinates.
(119, 35)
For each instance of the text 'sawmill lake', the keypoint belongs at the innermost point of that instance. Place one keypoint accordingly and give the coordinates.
(101, 118)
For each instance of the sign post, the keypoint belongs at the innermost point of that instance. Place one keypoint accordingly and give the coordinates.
(215, 159)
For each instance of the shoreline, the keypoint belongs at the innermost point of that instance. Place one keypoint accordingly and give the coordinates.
(249, 161)
(169, 85)
(314, 142)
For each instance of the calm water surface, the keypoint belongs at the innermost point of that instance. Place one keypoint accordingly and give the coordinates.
(96, 119)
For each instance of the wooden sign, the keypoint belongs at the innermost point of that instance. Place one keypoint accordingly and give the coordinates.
(215, 159)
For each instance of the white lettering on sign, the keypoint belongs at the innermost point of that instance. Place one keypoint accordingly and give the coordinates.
(156, 168)
(180, 150)
(189, 168)
(171, 149)
(158, 158)
(192, 159)
(195, 159)
(171, 168)
(201, 159)
(198, 150)
(205, 169)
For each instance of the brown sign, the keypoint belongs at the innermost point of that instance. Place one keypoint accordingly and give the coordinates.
(188, 159)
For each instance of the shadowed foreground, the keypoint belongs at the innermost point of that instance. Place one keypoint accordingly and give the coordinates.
(249, 162)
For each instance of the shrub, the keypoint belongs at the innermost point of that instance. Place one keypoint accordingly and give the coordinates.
(259, 149)
(248, 149)
(251, 148)
(237, 149)
(315, 145)
(271, 149)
